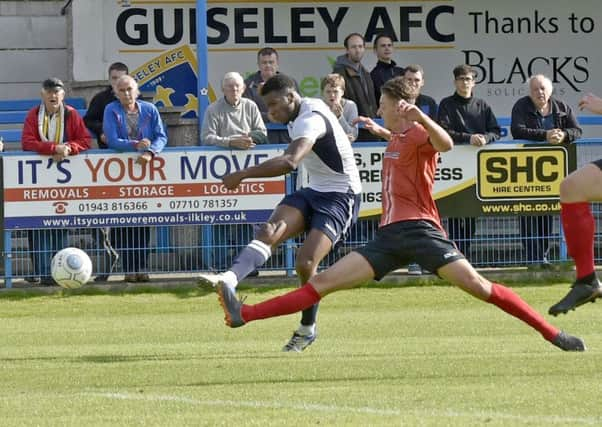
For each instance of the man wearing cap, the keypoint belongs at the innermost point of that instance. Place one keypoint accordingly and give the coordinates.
(55, 129)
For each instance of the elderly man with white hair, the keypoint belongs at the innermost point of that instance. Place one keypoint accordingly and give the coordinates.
(541, 117)
(233, 121)
(132, 125)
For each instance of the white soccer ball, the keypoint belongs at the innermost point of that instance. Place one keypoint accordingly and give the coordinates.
(71, 268)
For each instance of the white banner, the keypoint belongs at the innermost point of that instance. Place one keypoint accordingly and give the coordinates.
(103, 188)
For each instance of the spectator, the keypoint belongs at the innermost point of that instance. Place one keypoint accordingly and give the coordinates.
(94, 115)
(333, 88)
(267, 62)
(414, 75)
(540, 117)
(468, 120)
(233, 121)
(54, 129)
(358, 82)
(133, 125)
(385, 68)
(93, 120)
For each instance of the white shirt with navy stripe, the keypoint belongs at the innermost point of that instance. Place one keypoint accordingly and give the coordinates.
(330, 164)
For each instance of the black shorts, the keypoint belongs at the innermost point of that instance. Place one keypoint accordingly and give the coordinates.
(332, 213)
(598, 163)
(401, 243)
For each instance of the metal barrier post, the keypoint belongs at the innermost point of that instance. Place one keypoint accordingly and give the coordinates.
(8, 260)
(289, 253)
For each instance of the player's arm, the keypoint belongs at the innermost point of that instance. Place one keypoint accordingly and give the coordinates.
(275, 166)
(438, 137)
(372, 127)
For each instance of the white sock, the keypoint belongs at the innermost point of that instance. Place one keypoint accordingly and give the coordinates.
(229, 278)
(306, 330)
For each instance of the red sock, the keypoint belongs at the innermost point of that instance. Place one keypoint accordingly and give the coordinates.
(289, 303)
(579, 228)
(506, 299)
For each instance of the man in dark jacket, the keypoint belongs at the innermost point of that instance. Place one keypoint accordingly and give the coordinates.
(540, 117)
(385, 68)
(93, 117)
(358, 82)
(468, 120)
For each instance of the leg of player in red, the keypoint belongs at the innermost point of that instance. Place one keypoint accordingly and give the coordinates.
(354, 269)
(576, 192)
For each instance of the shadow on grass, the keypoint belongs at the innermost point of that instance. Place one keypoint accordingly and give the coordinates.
(189, 289)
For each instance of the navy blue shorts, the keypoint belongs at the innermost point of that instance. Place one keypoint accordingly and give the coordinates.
(598, 163)
(401, 243)
(332, 213)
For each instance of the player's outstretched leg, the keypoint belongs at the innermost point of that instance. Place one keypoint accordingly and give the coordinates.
(506, 299)
(237, 313)
(568, 342)
(231, 305)
(463, 275)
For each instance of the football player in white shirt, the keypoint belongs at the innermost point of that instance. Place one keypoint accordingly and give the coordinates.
(325, 208)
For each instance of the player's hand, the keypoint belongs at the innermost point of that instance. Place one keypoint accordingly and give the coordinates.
(591, 103)
(242, 142)
(410, 112)
(477, 140)
(369, 124)
(232, 180)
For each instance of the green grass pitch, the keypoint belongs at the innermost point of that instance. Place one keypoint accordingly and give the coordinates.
(385, 356)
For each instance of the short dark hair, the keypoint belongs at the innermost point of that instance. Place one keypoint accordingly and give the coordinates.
(464, 70)
(414, 68)
(398, 89)
(53, 83)
(380, 36)
(118, 66)
(266, 51)
(277, 83)
(351, 35)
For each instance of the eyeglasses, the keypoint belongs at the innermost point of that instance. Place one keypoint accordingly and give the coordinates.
(464, 79)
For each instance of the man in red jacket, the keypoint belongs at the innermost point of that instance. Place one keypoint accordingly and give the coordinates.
(54, 129)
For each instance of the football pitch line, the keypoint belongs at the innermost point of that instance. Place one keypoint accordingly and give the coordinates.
(477, 415)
